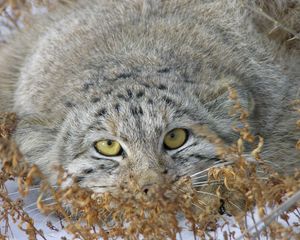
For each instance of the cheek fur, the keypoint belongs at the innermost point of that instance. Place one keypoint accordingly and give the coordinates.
(197, 157)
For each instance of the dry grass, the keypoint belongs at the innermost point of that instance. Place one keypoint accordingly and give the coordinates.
(128, 213)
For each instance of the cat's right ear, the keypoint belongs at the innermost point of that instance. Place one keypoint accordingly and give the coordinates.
(34, 134)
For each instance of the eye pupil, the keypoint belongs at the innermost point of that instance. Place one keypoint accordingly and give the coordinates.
(172, 135)
(109, 142)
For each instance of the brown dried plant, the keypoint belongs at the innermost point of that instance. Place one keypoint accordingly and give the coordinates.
(231, 189)
(129, 213)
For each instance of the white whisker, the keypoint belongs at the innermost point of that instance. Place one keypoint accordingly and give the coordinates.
(207, 184)
(36, 187)
(236, 206)
(198, 200)
(199, 177)
(30, 205)
(198, 206)
(17, 192)
(214, 166)
(207, 193)
(34, 209)
(36, 214)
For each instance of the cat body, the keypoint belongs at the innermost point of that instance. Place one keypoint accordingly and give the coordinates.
(132, 71)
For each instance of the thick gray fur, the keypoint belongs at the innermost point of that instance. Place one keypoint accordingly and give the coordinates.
(132, 70)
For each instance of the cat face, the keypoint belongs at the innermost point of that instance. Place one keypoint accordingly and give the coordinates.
(139, 131)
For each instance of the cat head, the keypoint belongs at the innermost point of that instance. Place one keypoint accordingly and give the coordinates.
(141, 130)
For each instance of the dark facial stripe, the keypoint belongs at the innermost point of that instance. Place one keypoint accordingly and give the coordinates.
(101, 112)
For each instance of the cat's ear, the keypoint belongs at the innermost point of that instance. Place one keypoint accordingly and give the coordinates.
(226, 93)
(34, 134)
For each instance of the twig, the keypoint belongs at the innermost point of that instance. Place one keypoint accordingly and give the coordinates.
(267, 220)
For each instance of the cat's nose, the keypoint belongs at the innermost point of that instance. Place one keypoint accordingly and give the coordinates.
(147, 188)
(149, 180)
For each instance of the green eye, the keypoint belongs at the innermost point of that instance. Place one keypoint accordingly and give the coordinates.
(175, 138)
(109, 148)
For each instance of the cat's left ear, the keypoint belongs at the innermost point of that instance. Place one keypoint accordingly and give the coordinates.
(228, 91)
